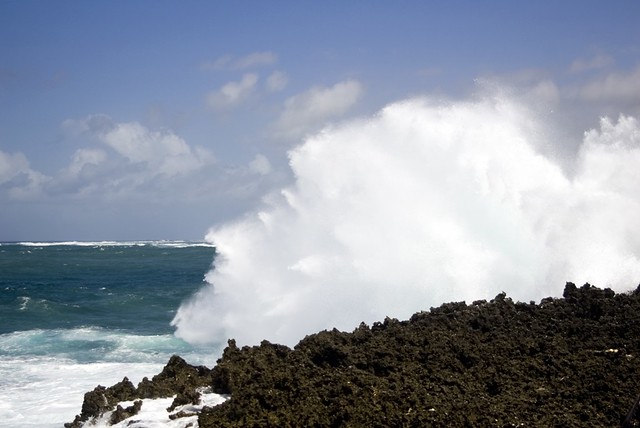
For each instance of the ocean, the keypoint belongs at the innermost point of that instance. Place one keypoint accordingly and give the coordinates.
(427, 202)
(74, 315)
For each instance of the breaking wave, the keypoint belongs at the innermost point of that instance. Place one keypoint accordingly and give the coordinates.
(425, 202)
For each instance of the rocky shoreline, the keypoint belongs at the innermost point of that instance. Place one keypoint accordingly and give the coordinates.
(567, 362)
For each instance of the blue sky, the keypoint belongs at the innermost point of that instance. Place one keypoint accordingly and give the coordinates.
(159, 119)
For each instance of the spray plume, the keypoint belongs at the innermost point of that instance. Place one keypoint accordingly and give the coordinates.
(424, 203)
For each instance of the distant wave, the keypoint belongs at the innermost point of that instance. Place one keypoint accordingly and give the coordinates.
(160, 244)
(27, 302)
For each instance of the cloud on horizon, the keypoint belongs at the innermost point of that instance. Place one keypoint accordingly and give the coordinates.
(128, 161)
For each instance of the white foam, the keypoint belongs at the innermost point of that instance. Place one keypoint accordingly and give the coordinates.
(47, 392)
(153, 413)
(45, 373)
(24, 302)
(97, 344)
(73, 243)
(423, 203)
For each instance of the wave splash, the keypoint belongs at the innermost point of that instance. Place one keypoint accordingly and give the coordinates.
(424, 203)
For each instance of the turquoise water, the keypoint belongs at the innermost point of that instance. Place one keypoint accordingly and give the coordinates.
(74, 315)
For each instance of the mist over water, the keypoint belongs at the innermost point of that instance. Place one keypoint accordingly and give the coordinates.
(424, 203)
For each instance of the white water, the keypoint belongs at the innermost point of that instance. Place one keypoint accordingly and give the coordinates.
(47, 391)
(153, 413)
(44, 374)
(424, 203)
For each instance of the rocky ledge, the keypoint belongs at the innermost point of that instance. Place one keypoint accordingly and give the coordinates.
(177, 379)
(566, 362)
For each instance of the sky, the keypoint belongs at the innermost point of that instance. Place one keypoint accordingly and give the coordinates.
(131, 120)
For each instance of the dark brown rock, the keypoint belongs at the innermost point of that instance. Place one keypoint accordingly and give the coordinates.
(102, 400)
(177, 378)
(567, 362)
(181, 414)
(120, 414)
(187, 396)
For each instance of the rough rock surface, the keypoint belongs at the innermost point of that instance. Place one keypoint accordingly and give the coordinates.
(177, 378)
(567, 362)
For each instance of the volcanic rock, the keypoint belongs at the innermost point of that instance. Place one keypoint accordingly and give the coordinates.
(568, 362)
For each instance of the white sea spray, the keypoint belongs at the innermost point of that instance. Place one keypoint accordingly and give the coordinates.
(425, 202)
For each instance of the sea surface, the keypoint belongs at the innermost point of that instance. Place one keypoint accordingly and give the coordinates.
(77, 314)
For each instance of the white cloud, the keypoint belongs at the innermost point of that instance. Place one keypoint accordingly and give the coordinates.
(306, 111)
(91, 124)
(252, 60)
(87, 171)
(614, 86)
(136, 162)
(155, 152)
(83, 157)
(599, 61)
(219, 64)
(277, 81)
(11, 165)
(233, 93)
(18, 178)
(260, 165)
(162, 152)
(256, 59)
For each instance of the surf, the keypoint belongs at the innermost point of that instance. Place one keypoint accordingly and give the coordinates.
(427, 201)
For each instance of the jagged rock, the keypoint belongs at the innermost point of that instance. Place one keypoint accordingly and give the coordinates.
(181, 414)
(571, 362)
(568, 362)
(188, 396)
(177, 376)
(122, 391)
(120, 414)
(102, 399)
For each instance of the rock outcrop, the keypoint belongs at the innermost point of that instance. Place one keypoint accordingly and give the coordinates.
(570, 362)
(177, 378)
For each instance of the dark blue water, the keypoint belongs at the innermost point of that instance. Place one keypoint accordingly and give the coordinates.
(133, 287)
